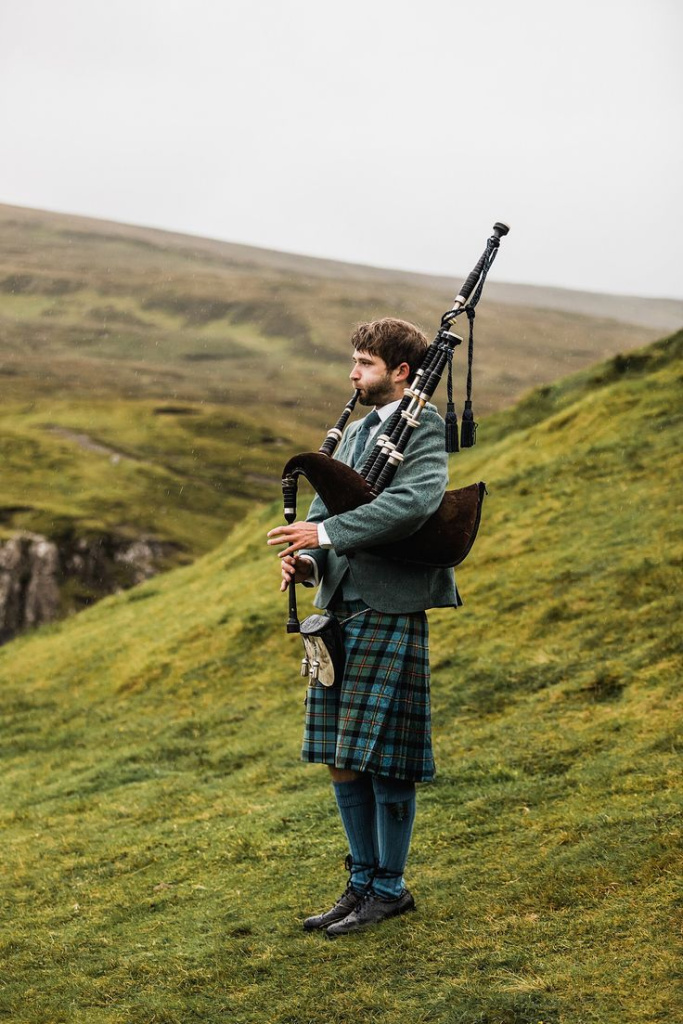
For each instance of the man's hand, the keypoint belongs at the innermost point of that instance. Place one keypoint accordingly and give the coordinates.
(295, 536)
(299, 569)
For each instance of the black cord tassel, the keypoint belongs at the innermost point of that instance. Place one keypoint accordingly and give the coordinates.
(451, 429)
(468, 429)
(451, 417)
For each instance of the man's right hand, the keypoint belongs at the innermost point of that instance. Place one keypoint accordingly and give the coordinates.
(300, 569)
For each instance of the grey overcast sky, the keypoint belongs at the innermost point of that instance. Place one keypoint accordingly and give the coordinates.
(376, 131)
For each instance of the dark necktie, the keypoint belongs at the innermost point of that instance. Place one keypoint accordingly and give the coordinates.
(370, 421)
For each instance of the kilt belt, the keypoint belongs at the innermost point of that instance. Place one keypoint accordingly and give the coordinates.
(378, 719)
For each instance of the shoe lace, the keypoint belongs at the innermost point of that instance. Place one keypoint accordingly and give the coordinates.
(382, 873)
(385, 873)
(350, 864)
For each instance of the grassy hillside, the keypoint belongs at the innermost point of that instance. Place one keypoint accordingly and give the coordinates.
(163, 842)
(184, 472)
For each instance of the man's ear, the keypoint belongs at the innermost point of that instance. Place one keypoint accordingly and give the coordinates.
(401, 372)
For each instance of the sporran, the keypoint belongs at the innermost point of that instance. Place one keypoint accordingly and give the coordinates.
(324, 656)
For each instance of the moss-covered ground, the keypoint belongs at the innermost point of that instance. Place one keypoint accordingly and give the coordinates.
(162, 842)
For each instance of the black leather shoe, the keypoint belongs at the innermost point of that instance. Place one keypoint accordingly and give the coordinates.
(371, 909)
(347, 902)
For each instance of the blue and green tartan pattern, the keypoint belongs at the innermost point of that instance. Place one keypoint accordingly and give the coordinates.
(379, 718)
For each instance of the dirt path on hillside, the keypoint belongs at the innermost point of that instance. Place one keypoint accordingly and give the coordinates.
(89, 444)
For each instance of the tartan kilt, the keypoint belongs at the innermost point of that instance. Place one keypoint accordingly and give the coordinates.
(378, 719)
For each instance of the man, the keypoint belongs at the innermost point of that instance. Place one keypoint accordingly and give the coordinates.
(373, 730)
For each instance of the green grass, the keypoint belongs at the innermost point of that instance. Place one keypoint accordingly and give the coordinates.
(184, 471)
(162, 841)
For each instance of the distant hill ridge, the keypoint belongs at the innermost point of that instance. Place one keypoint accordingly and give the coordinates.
(95, 307)
(658, 313)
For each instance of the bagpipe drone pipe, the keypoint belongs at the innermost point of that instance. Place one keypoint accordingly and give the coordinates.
(446, 538)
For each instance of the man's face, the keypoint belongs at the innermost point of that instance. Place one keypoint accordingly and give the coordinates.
(377, 384)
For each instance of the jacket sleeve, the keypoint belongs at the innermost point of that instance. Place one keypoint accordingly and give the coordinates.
(317, 513)
(412, 497)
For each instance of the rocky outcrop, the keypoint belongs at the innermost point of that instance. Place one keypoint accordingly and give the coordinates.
(41, 579)
(29, 591)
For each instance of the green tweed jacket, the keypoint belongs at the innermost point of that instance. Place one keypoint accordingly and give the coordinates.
(415, 493)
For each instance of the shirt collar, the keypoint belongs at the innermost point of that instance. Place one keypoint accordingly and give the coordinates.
(385, 412)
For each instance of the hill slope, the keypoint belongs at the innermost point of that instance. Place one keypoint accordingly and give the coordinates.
(163, 841)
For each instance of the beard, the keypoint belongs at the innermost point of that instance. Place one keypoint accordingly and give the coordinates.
(379, 393)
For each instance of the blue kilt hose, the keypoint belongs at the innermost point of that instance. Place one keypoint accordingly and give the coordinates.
(378, 719)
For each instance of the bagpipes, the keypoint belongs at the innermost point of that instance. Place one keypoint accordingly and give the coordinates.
(446, 538)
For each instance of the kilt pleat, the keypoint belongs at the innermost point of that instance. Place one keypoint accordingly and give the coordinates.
(378, 719)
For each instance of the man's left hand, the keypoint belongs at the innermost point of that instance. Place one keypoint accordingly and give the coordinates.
(296, 536)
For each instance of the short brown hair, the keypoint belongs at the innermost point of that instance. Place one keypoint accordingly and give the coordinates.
(394, 341)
